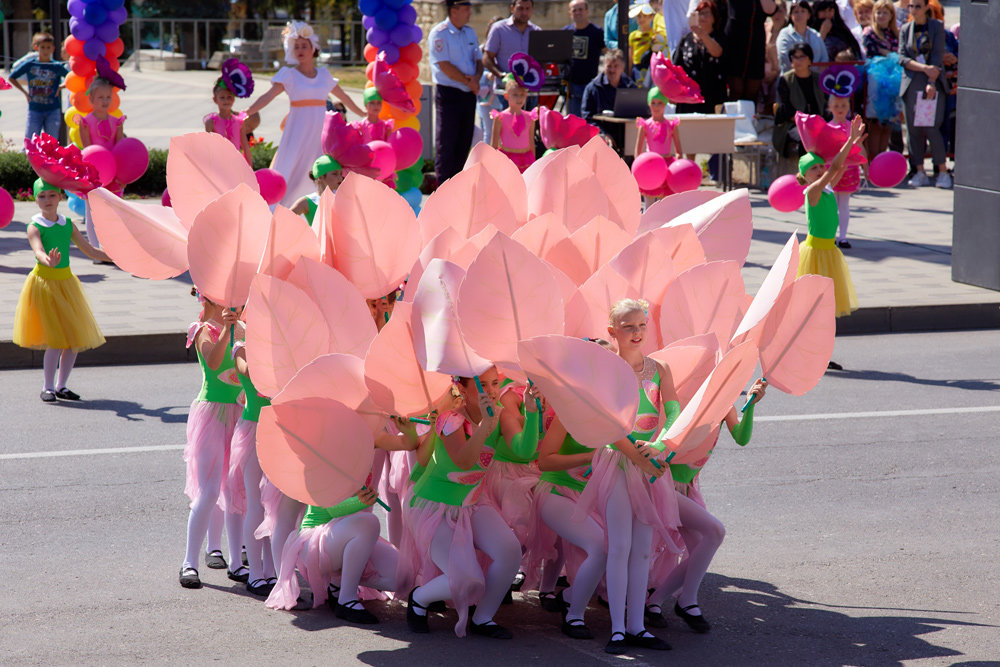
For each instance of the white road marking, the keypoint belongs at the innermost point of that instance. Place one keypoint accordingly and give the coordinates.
(91, 452)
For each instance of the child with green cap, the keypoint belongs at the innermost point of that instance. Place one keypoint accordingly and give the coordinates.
(819, 253)
(372, 127)
(52, 312)
(325, 173)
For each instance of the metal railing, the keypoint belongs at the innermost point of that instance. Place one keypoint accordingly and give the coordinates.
(256, 41)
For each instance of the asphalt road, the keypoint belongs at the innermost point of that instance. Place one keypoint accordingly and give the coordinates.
(862, 530)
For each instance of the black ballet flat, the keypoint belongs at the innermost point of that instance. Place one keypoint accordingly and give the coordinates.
(355, 612)
(548, 601)
(616, 646)
(67, 394)
(655, 619)
(576, 629)
(189, 578)
(490, 630)
(260, 587)
(695, 622)
(332, 593)
(647, 640)
(215, 561)
(415, 621)
(240, 574)
(437, 607)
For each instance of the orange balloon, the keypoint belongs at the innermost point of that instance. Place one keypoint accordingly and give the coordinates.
(75, 83)
(369, 84)
(81, 102)
(414, 90)
(116, 101)
(406, 72)
(115, 49)
(73, 46)
(370, 53)
(370, 72)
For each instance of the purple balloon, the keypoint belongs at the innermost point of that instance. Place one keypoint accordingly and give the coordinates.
(94, 48)
(416, 34)
(400, 35)
(391, 53)
(407, 14)
(81, 29)
(76, 7)
(112, 5)
(378, 37)
(107, 32)
(118, 15)
(95, 14)
(367, 22)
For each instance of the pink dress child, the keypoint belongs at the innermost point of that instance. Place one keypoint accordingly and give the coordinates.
(514, 140)
(230, 127)
(377, 131)
(659, 140)
(851, 179)
(102, 132)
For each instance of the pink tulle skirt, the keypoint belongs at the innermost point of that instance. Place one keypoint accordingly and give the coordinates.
(510, 489)
(396, 476)
(305, 552)
(244, 446)
(653, 504)
(210, 428)
(270, 498)
(465, 574)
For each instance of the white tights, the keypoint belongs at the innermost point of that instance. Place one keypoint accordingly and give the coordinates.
(64, 360)
(349, 544)
(629, 545)
(259, 556)
(492, 536)
(206, 518)
(844, 211)
(286, 520)
(557, 512)
(703, 535)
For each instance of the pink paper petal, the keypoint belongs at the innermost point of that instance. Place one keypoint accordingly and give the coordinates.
(780, 276)
(540, 234)
(348, 320)
(505, 173)
(397, 383)
(508, 294)
(706, 299)
(289, 238)
(671, 206)
(567, 288)
(441, 246)
(315, 450)
(147, 241)
(673, 81)
(225, 245)
(587, 311)
(566, 187)
(821, 138)
(285, 331)
(593, 390)
(340, 375)
(624, 200)
(376, 239)
(390, 88)
(689, 366)
(437, 336)
(201, 167)
(645, 263)
(798, 335)
(324, 222)
(469, 201)
(724, 225)
(588, 248)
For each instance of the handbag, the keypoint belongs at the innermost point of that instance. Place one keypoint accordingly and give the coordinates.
(925, 111)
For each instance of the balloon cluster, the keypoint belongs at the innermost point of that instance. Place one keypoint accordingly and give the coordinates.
(658, 176)
(393, 54)
(94, 26)
(61, 166)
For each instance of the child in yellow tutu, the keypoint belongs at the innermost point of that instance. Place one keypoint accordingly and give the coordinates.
(819, 253)
(52, 312)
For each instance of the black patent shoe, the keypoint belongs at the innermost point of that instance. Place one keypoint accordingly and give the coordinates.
(415, 621)
(655, 619)
(576, 629)
(696, 622)
(616, 646)
(647, 640)
(549, 602)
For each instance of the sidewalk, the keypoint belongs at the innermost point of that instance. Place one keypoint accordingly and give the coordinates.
(900, 262)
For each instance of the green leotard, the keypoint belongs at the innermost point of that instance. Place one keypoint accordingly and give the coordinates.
(55, 236)
(523, 448)
(685, 473)
(318, 516)
(251, 411)
(563, 478)
(648, 416)
(443, 481)
(823, 217)
(221, 385)
(312, 201)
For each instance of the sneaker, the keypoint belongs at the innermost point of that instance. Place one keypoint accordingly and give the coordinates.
(919, 180)
(67, 394)
(47, 396)
(944, 181)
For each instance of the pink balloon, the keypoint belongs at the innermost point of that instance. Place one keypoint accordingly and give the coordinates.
(683, 175)
(408, 145)
(131, 159)
(165, 198)
(102, 160)
(272, 185)
(6, 208)
(786, 194)
(888, 169)
(650, 170)
(383, 158)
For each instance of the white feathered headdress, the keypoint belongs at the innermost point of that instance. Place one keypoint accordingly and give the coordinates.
(297, 30)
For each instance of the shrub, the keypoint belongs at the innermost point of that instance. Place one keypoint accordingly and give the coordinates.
(262, 153)
(154, 181)
(15, 172)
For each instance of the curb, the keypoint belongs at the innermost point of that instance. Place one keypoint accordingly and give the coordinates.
(169, 347)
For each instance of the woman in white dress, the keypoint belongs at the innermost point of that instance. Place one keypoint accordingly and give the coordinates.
(308, 89)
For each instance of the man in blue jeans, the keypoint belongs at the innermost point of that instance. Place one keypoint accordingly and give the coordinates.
(588, 44)
(44, 77)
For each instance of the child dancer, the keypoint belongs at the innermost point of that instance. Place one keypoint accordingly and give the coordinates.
(100, 128)
(818, 253)
(225, 122)
(325, 173)
(52, 312)
(656, 133)
(840, 108)
(210, 427)
(372, 127)
(447, 525)
(633, 507)
(514, 135)
(702, 533)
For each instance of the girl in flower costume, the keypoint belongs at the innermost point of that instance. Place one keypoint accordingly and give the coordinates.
(514, 128)
(236, 81)
(372, 127)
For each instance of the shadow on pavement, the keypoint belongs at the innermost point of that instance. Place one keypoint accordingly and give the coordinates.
(129, 410)
(885, 376)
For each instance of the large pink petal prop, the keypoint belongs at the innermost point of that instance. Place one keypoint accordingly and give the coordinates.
(469, 201)
(285, 331)
(348, 320)
(673, 81)
(567, 187)
(588, 248)
(315, 450)
(446, 242)
(346, 144)
(624, 200)
(780, 276)
(798, 335)
(540, 234)
(559, 131)
(324, 222)
(395, 378)
(201, 167)
(508, 295)
(823, 139)
(593, 390)
(689, 434)
(147, 241)
(672, 206)
(437, 336)
(646, 264)
(390, 88)
(225, 245)
(706, 299)
(289, 238)
(505, 173)
(567, 288)
(376, 239)
(336, 375)
(689, 364)
(724, 225)
(587, 310)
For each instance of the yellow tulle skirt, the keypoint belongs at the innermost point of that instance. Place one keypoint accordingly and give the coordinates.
(823, 257)
(53, 312)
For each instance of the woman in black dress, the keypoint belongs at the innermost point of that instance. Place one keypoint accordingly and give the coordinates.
(745, 53)
(700, 54)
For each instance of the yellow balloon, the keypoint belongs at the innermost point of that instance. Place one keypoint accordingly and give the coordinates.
(70, 116)
(74, 137)
(117, 113)
(411, 122)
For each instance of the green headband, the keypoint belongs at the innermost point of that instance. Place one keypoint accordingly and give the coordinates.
(808, 161)
(41, 186)
(323, 165)
(655, 94)
(371, 95)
